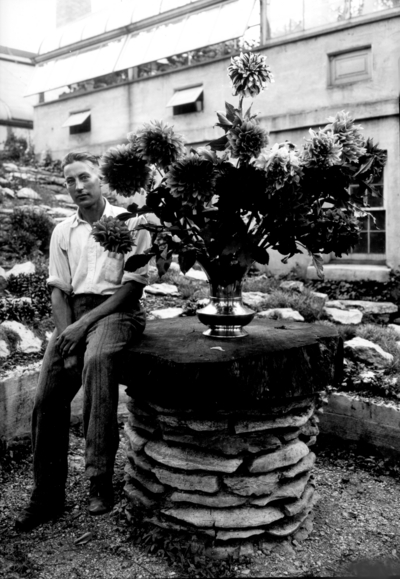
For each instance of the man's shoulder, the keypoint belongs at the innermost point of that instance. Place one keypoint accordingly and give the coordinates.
(65, 224)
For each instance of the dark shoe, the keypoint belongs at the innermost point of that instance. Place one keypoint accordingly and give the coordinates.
(101, 498)
(36, 514)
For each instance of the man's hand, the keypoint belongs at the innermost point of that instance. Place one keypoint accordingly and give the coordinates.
(71, 364)
(69, 339)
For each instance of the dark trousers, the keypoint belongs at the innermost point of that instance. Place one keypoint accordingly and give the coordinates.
(101, 360)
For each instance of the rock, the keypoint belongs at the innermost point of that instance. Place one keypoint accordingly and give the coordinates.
(4, 349)
(243, 534)
(26, 268)
(197, 425)
(367, 352)
(61, 212)
(219, 500)
(189, 458)
(145, 479)
(288, 526)
(136, 442)
(393, 327)
(10, 167)
(139, 459)
(227, 444)
(309, 429)
(318, 300)
(196, 274)
(7, 192)
(28, 193)
(62, 198)
(137, 497)
(4, 182)
(166, 313)
(290, 454)
(281, 314)
(254, 299)
(340, 316)
(367, 307)
(169, 525)
(187, 482)
(28, 343)
(225, 518)
(290, 420)
(252, 485)
(294, 286)
(292, 489)
(305, 501)
(305, 529)
(162, 289)
(305, 464)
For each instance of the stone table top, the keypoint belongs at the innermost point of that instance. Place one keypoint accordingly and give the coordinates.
(175, 366)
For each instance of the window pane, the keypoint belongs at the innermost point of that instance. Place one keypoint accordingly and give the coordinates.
(376, 201)
(285, 16)
(377, 243)
(362, 245)
(363, 223)
(379, 223)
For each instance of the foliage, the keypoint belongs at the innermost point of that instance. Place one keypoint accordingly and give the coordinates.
(27, 285)
(31, 230)
(17, 149)
(226, 205)
(361, 289)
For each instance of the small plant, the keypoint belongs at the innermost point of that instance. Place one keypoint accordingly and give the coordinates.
(17, 149)
(31, 231)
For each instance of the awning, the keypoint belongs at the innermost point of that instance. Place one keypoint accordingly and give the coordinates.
(76, 119)
(222, 22)
(185, 96)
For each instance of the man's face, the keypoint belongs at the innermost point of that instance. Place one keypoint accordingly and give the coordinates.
(83, 183)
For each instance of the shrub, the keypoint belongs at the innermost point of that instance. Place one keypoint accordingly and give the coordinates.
(17, 149)
(31, 230)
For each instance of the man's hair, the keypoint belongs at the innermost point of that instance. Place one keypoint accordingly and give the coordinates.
(80, 156)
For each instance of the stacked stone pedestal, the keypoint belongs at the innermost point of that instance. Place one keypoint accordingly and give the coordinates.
(229, 464)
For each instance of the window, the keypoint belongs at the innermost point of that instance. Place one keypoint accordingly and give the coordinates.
(350, 66)
(373, 228)
(78, 122)
(187, 100)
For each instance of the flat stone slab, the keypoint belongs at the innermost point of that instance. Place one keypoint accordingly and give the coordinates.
(368, 307)
(162, 289)
(226, 518)
(166, 313)
(349, 316)
(288, 455)
(277, 360)
(367, 352)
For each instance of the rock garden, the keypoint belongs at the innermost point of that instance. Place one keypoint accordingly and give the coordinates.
(360, 425)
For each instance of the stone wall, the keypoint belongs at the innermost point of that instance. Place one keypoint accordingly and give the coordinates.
(225, 478)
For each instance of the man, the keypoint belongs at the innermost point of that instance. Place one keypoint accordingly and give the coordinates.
(97, 316)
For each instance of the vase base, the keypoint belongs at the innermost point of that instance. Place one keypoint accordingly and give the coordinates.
(225, 332)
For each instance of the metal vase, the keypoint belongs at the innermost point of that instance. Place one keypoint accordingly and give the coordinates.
(225, 314)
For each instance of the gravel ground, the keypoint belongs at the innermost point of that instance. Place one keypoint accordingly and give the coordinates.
(356, 529)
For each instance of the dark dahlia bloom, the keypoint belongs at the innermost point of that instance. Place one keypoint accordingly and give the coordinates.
(192, 179)
(323, 149)
(113, 235)
(349, 136)
(158, 144)
(247, 140)
(249, 74)
(124, 170)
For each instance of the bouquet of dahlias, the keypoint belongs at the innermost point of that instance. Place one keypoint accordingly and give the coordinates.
(227, 204)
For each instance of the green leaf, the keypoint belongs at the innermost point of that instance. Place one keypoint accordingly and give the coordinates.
(230, 111)
(318, 263)
(224, 123)
(261, 255)
(187, 259)
(125, 216)
(219, 144)
(163, 264)
(137, 261)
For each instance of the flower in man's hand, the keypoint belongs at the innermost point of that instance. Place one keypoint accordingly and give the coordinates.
(113, 235)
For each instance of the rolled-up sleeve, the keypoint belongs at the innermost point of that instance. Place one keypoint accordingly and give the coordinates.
(59, 269)
(142, 240)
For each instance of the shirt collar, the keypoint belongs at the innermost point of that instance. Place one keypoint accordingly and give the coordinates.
(77, 219)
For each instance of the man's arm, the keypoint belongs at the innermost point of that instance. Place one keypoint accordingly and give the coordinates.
(62, 312)
(71, 336)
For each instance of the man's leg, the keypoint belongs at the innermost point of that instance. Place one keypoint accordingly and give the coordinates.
(106, 343)
(50, 438)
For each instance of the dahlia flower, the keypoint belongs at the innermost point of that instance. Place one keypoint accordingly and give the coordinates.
(113, 235)
(249, 74)
(124, 170)
(323, 149)
(246, 140)
(192, 179)
(158, 144)
(280, 163)
(349, 136)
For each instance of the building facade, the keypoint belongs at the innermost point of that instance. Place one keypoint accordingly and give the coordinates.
(326, 56)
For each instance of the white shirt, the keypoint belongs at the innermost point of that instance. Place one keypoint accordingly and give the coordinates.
(79, 265)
